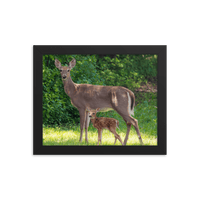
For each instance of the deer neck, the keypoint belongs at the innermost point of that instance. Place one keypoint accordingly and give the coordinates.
(94, 120)
(69, 86)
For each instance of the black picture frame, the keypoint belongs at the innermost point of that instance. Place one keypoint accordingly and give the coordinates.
(39, 149)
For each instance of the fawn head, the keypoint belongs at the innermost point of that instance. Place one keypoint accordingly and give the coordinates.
(92, 113)
(64, 70)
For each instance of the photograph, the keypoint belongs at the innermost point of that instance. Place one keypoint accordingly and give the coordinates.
(96, 99)
(104, 99)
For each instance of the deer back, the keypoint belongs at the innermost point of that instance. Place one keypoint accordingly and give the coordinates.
(104, 122)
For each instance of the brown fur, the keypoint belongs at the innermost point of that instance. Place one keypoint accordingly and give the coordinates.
(97, 96)
(101, 123)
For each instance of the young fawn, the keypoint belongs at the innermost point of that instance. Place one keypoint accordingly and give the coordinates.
(101, 123)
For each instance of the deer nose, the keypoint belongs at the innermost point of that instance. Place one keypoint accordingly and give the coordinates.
(90, 116)
(64, 77)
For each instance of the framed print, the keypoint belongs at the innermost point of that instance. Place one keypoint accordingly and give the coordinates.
(99, 100)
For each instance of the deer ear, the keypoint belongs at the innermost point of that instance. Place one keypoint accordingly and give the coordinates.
(98, 109)
(57, 63)
(72, 63)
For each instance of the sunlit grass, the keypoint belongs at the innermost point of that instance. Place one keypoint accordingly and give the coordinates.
(145, 113)
(61, 136)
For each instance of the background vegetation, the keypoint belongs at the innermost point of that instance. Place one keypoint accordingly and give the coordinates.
(136, 72)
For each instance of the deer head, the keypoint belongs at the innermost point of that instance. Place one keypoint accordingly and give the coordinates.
(92, 113)
(64, 70)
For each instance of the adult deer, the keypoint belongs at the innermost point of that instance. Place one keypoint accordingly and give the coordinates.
(106, 98)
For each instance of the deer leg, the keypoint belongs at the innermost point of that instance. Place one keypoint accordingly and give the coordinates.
(127, 133)
(87, 121)
(134, 122)
(82, 122)
(99, 136)
(138, 131)
(116, 136)
(115, 140)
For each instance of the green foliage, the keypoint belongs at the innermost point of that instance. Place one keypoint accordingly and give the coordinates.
(141, 97)
(57, 107)
(128, 70)
(117, 70)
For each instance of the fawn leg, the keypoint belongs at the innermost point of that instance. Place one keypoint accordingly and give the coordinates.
(87, 121)
(115, 140)
(82, 122)
(116, 135)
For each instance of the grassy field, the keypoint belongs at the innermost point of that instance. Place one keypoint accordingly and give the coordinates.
(145, 113)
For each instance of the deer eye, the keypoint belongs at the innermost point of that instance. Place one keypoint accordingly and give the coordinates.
(93, 113)
(68, 70)
(61, 70)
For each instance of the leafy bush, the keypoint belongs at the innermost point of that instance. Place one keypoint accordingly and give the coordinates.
(118, 70)
(57, 107)
(128, 70)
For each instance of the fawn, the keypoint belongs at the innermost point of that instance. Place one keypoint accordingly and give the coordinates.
(101, 123)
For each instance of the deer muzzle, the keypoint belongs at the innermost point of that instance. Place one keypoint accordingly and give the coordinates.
(64, 77)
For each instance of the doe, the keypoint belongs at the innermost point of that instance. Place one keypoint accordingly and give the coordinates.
(101, 123)
(83, 96)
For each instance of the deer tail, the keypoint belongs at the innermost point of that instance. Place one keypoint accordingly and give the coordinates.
(131, 102)
(117, 124)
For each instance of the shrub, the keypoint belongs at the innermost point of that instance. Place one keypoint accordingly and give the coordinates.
(57, 107)
(118, 70)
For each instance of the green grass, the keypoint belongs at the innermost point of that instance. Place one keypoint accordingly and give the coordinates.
(145, 113)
